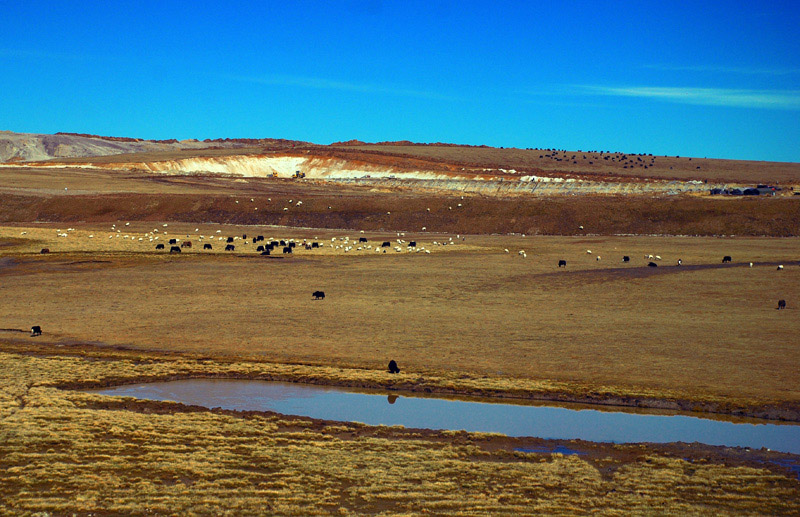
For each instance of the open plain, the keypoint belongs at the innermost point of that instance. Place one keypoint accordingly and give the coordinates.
(478, 306)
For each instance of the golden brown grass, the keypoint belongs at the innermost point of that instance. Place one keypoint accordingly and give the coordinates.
(65, 452)
(701, 332)
(464, 319)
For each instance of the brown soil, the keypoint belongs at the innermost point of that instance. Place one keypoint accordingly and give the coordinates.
(326, 206)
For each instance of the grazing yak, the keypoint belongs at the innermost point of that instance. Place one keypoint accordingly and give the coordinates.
(45, 250)
(362, 239)
(726, 258)
(230, 247)
(36, 330)
(412, 244)
(287, 249)
(626, 258)
(315, 245)
(652, 264)
(175, 249)
(159, 246)
(393, 367)
(207, 246)
(386, 244)
(318, 295)
(562, 263)
(173, 241)
(781, 304)
(229, 240)
(265, 252)
(186, 244)
(260, 248)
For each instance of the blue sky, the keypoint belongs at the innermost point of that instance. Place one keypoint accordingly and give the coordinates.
(715, 79)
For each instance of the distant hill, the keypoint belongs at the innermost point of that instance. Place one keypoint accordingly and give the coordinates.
(509, 163)
(19, 147)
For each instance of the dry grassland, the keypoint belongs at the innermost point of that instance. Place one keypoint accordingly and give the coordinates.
(67, 452)
(465, 319)
(702, 332)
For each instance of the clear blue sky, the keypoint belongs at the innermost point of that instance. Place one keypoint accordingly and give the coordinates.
(717, 79)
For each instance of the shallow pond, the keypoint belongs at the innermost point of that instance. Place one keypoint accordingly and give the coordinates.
(549, 422)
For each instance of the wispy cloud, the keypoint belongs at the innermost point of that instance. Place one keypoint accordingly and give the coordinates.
(328, 84)
(768, 99)
(724, 69)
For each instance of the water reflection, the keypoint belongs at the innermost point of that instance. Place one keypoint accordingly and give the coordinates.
(329, 403)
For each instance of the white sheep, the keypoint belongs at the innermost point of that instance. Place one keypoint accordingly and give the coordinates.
(598, 258)
(780, 267)
(658, 257)
(588, 252)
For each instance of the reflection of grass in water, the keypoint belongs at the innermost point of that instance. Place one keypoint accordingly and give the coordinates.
(65, 451)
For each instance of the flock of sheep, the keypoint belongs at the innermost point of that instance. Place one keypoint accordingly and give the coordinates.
(344, 244)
